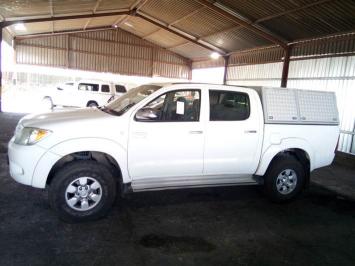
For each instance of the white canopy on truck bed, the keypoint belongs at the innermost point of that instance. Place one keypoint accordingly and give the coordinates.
(294, 106)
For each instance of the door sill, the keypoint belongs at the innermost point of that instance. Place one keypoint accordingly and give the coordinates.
(148, 184)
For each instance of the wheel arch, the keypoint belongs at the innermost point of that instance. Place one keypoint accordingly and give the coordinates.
(105, 151)
(298, 148)
(101, 157)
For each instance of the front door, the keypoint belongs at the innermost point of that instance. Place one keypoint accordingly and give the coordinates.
(166, 138)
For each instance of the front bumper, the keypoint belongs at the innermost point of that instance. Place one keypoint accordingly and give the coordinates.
(23, 161)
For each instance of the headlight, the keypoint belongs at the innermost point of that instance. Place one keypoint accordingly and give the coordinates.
(30, 135)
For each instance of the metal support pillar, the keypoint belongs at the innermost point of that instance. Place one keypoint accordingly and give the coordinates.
(285, 67)
(226, 62)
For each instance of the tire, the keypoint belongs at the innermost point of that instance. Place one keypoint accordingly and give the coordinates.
(90, 206)
(279, 180)
(92, 104)
(47, 103)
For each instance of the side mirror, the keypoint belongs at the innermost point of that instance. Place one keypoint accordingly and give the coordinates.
(146, 114)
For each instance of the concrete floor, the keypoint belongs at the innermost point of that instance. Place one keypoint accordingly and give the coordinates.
(219, 226)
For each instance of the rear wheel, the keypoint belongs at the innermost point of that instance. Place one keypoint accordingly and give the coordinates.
(92, 104)
(82, 191)
(284, 179)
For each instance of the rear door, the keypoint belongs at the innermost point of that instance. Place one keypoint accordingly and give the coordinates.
(233, 134)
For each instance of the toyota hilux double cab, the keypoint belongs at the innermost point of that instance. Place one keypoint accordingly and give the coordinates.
(172, 136)
(84, 93)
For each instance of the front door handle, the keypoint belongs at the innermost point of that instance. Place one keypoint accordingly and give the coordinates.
(196, 132)
(250, 131)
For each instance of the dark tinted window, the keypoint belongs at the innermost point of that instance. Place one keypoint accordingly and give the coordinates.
(105, 88)
(88, 87)
(174, 106)
(120, 88)
(229, 106)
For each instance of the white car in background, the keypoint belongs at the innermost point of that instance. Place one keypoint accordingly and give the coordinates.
(84, 93)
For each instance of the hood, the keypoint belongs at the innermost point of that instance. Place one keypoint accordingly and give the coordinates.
(48, 120)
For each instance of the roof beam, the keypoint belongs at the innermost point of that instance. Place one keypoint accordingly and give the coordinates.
(120, 21)
(177, 45)
(179, 33)
(51, 12)
(242, 22)
(58, 18)
(62, 32)
(139, 4)
(93, 11)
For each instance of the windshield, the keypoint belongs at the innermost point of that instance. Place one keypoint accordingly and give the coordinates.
(131, 98)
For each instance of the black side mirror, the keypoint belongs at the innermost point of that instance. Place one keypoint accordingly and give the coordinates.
(146, 114)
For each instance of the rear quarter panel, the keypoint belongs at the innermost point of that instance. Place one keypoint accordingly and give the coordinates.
(318, 141)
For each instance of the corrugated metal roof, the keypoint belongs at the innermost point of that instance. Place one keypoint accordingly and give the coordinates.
(327, 18)
(203, 23)
(237, 39)
(165, 38)
(71, 6)
(168, 11)
(114, 4)
(191, 51)
(138, 26)
(289, 20)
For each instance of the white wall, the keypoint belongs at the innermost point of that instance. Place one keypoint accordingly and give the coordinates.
(256, 75)
(208, 75)
(331, 74)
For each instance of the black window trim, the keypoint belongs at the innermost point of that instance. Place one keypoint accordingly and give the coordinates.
(171, 121)
(227, 91)
(121, 86)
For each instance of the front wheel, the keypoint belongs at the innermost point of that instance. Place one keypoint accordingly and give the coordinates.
(284, 179)
(82, 191)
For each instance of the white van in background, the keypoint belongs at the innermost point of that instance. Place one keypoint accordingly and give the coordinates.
(84, 93)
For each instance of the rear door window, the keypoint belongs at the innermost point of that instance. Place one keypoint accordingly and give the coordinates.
(229, 106)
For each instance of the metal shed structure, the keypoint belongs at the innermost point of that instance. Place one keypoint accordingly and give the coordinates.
(294, 43)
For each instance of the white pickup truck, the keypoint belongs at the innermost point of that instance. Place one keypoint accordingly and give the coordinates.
(171, 136)
(84, 93)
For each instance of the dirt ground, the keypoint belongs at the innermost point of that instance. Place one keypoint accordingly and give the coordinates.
(213, 226)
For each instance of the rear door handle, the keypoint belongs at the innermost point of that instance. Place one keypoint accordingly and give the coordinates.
(250, 131)
(196, 132)
(140, 134)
